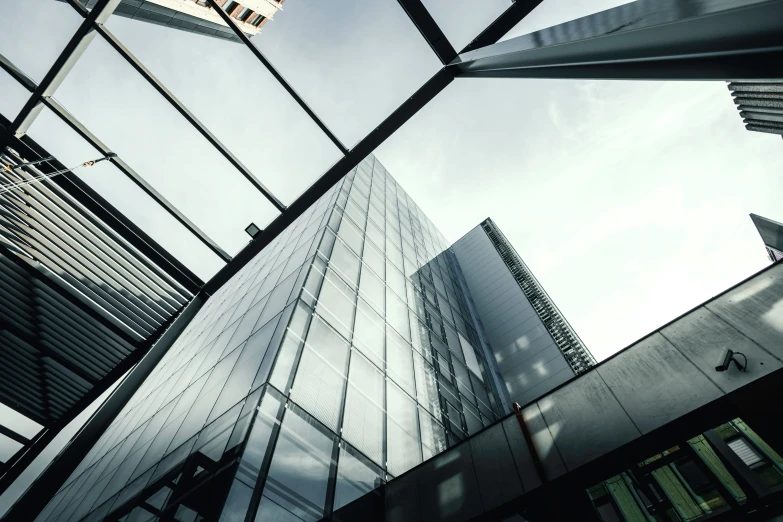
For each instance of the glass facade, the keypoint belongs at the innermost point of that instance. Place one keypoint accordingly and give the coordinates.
(340, 357)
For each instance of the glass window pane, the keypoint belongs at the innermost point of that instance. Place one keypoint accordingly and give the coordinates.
(299, 473)
(14, 96)
(356, 476)
(352, 236)
(368, 335)
(433, 435)
(399, 364)
(259, 107)
(144, 141)
(35, 32)
(426, 384)
(320, 378)
(353, 70)
(336, 302)
(345, 262)
(371, 287)
(402, 431)
(364, 416)
(374, 258)
(395, 280)
(397, 314)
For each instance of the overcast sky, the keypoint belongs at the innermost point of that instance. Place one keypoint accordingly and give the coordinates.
(628, 200)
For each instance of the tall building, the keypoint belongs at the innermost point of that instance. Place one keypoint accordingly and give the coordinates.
(196, 16)
(346, 353)
(533, 345)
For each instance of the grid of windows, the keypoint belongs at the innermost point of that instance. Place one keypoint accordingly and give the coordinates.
(355, 319)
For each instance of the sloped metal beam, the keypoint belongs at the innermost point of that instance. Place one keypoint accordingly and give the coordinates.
(200, 127)
(645, 40)
(429, 29)
(279, 77)
(389, 126)
(62, 65)
(502, 24)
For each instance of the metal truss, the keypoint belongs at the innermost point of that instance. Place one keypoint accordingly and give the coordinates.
(674, 40)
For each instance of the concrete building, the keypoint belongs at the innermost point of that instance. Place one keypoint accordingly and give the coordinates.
(197, 16)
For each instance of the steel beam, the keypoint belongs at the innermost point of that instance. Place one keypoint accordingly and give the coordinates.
(279, 77)
(54, 476)
(63, 65)
(645, 40)
(203, 130)
(11, 434)
(502, 24)
(429, 29)
(389, 126)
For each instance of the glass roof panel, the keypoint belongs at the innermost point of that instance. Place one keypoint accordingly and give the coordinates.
(238, 100)
(112, 100)
(35, 33)
(554, 12)
(14, 96)
(462, 20)
(71, 150)
(352, 61)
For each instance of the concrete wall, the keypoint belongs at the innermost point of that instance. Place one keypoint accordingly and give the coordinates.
(527, 357)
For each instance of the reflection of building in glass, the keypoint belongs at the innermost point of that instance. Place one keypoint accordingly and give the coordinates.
(196, 16)
(771, 233)
(695, 479)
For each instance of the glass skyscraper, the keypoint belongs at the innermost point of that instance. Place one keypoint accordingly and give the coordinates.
(343, 355)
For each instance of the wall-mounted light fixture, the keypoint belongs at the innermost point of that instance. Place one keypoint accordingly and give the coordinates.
(253, 230)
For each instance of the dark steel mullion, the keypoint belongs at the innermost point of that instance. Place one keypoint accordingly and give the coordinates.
(647, 39)
(144, 292)
(279, 77)
(62, 65)
(94, 265)
(109, 246)
(123, 167)
(514, 14)
(110, 221)
(394, 121)
(17, 74)
(11, 434)
(57, 289)
(206, 133)
(429, 29)
(83, 12)
(76, 274)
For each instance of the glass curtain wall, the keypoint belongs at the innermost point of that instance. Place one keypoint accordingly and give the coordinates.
(341, 357)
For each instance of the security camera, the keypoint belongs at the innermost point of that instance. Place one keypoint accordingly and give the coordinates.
(727, 357)
(724, 360)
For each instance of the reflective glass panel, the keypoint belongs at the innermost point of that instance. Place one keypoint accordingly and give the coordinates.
(237, 99)
(299, 472)
(364, 415)
(356, 476)
(352, 69)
